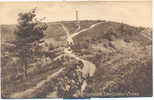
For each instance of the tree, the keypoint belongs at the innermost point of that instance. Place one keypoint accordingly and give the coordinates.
(28, 33)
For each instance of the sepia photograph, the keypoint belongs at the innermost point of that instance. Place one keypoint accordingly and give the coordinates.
(80, 49)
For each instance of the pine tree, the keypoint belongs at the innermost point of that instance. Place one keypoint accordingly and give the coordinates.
(28, 33)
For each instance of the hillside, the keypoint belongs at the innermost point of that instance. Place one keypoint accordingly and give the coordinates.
(7, 32)
(121, 53)
(53, 31)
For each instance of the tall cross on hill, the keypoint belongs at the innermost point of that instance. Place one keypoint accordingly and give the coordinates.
(77, 16)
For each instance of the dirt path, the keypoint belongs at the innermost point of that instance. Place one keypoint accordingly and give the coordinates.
(144, 33)
(27, 93)
(83, 30)
(88, 69)
(146, 36)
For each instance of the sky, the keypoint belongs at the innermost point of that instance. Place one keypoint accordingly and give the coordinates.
(134, 13)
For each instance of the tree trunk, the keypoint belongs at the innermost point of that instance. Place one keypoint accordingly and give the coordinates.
(25, 71)
(24, 65)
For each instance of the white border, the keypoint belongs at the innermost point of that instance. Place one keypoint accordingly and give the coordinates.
(132, 98)
(70, 0)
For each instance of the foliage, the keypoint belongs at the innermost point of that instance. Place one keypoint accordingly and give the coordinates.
(28, 33)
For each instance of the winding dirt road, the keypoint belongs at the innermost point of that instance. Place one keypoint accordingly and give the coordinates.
(83, 30)
(88, 69)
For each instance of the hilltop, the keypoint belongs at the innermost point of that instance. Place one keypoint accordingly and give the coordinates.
(114, 29)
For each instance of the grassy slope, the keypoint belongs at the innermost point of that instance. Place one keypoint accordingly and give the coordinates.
(54, 30)
(121, 53)
(123, 56)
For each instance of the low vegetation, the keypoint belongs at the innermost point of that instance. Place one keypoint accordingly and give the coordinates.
(122, 55)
